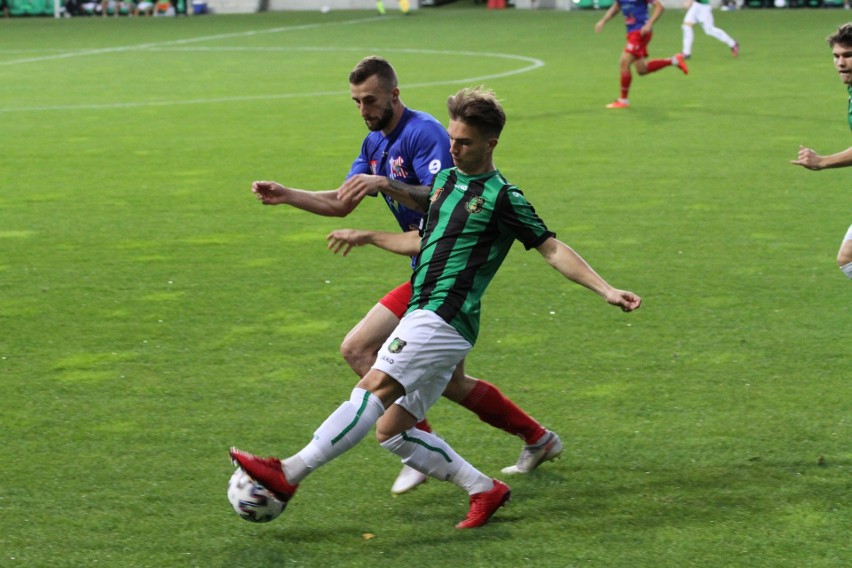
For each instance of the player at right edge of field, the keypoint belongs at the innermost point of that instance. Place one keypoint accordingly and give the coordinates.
(841, 49)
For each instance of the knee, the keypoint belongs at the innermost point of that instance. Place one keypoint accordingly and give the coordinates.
(357, 357)
(459, 387)
(844, 255)
(384, 387)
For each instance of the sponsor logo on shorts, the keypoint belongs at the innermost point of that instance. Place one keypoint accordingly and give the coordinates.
(396, 345)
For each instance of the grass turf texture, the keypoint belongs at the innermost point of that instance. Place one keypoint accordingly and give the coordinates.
(153, 313)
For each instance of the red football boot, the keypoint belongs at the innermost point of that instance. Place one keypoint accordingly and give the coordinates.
(265, 471)
(485, 504)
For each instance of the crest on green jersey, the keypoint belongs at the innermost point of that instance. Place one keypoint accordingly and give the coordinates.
(436, 195)
(474, 205)
(396, 345)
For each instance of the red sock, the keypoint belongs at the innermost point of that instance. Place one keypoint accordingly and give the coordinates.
(424, 425)
(657, 64)
(492, 407)
(626, 78)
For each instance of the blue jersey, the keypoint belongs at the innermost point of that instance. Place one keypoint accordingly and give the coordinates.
(635, 13)
(416, 150)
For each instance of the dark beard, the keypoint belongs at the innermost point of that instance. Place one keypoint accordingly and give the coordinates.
(384, 120)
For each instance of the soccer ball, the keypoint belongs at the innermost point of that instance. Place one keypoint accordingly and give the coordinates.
(252, 501)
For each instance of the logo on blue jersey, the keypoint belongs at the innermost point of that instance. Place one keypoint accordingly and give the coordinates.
(397, 168)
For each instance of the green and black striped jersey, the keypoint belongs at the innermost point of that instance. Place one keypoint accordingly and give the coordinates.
(472, 223)
(849, 90)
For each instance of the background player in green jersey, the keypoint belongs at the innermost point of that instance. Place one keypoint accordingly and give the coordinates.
(474, 218)
(841, 48)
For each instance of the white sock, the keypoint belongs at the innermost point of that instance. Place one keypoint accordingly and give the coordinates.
(295, 469)
(432, 456)
(847, 269)
(688, 37)
(340, 432)
(472, 480)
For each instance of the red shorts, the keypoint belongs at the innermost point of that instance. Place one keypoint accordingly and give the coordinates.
(397, 299)
(637, 44)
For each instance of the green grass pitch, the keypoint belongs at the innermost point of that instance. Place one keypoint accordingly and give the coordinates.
(153, 313)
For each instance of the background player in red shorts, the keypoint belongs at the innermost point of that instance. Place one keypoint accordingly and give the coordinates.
(639, 34)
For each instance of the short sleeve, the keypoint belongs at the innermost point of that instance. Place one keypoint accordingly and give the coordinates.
(518, 217)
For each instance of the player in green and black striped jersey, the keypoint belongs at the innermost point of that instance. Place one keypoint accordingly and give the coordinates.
(472, 224)
(474, 218)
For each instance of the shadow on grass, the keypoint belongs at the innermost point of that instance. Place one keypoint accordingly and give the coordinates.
(612, 510)
(602, 498)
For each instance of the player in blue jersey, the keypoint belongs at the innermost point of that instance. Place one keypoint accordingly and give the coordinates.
(474, 218)
(639, 33)
(841, 48)
(399, 158)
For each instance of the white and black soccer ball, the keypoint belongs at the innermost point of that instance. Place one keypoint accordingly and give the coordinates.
(252, 501)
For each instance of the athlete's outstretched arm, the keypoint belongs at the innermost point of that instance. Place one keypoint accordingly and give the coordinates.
(813, 161)
(571, 265)
(326, 203)
(406, 244)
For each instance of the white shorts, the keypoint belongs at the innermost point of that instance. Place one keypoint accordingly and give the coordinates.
(699, 14)
(848, 236)
(421, 354)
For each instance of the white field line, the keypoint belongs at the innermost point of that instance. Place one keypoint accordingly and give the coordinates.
(181, 45)
(118, 49)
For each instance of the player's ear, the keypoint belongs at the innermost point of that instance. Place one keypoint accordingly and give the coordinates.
(395, 94)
